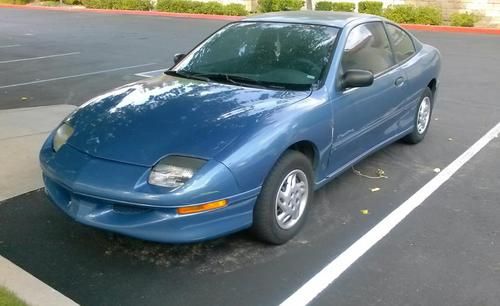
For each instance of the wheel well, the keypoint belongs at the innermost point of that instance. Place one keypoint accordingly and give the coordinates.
(432, 86)
(308, 149)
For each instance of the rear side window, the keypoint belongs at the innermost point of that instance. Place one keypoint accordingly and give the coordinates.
(367, 48)
(402, 44)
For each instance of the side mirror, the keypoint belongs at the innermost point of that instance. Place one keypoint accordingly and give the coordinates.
(178, 57)
(357, 78)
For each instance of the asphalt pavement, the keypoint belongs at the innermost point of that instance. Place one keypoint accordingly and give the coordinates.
(444, 253)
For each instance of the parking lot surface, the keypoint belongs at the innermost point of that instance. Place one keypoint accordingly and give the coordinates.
(444, 253)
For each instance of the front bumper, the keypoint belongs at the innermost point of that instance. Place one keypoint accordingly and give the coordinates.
(105, 194)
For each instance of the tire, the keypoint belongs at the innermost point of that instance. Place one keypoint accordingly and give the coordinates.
(269, 225)
(419, 132)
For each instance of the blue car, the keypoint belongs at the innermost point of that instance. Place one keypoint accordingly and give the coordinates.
(242, 129)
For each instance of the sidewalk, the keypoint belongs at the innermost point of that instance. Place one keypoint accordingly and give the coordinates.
(22, 132)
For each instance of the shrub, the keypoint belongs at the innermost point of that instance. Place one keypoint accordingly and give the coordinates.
(15, 1)
(265, 6)
(198, 7)
(177, 6)
(463, 19)
(235, 9)
(323, 6)
(405, 13)
(279, 5)
(98, 4)
(140, 5)
(72, 2)
(371, 7)
(212, 7)
(428, 15)
(343, 6)
(402, 13)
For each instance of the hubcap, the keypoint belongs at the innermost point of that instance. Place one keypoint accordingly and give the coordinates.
(291, 199)
(424, 114)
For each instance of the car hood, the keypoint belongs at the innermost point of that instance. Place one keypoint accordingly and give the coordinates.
(142, 122)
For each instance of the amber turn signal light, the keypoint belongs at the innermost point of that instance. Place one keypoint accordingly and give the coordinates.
(203, 207)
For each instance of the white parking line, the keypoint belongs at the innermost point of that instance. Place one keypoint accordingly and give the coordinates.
(74, 76)
(38, 57)
(150, 74)
(335, 268)
(9, 46)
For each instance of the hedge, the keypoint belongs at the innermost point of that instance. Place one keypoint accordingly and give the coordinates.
(371, 7)
(139, 5)
(323, 6)
(72, 2)
(15, 1)
(428, 15)
(463, 19)
(198, 7)
(405, 13)
(279, 5)
(343, 6)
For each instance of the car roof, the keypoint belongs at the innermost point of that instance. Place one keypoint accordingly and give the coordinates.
(335, 19)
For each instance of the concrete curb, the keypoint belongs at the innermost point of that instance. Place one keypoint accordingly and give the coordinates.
(415, 27)
(451, 29)
(29, 288)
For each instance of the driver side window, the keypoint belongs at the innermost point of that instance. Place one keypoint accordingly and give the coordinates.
(367, 48)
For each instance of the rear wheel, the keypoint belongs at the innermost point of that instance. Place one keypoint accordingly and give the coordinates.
(422, 118)
(285, 198)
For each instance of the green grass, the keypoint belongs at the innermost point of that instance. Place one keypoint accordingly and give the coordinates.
(7, 298)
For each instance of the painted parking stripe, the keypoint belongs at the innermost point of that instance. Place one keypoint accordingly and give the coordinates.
(9, 46)
(75, 76)
(335, 268)
(38, 57)
(150, 74)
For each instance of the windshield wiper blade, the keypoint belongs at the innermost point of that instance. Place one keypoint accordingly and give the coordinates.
(187, 75)
(241, 80)
(235, 79)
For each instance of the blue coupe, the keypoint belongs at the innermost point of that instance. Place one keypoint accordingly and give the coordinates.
(242, 129)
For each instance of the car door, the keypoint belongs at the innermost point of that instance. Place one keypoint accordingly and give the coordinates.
(366, 117)
(404, 50)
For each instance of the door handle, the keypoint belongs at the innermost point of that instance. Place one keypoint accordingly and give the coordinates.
(399, 81)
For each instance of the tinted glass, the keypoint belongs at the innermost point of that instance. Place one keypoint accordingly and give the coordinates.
(401, 42)
(289, 55)
(367, 48)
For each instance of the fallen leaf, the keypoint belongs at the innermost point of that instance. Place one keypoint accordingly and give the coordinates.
(374, 189)
(381, 173)
(437, 170)
(364, 211)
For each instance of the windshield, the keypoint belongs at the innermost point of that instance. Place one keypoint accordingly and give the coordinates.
(291, 56)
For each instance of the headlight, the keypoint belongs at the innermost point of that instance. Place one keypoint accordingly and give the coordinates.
(174, 171)
(61, 136)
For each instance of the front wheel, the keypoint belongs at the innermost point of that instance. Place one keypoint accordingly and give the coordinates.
(422, 118)
(285, 198)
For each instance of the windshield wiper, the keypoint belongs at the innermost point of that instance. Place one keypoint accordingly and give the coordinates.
(237, 79)
(225, 77)
(188, 75)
